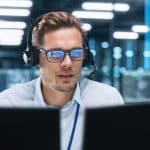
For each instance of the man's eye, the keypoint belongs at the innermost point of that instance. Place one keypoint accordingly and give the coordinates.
(77, 53)
(57, 54)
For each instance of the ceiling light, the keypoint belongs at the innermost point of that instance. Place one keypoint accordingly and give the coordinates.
(16, 3)
(125, 35)
(11, 43)
(93, 15)
(104, 44)
(117, 52)
(117, 49)
(12, 24)
(11, 36)
(11, 32)
(140, 28)
(121, 7)
(86, 26)
(14, 12)
(97, 6)
(146, 53)
(11, 40)
(129, 53)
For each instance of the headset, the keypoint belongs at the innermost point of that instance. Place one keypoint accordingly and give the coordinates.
(31, 53)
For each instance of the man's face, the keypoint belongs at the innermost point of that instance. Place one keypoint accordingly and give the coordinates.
(61, 76)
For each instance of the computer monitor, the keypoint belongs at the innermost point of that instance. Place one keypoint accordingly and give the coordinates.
(29, 129)
(118, 128)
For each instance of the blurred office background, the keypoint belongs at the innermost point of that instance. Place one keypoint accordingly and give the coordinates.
(118, 34)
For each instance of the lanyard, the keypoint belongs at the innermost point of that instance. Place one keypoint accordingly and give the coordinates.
(74, 126)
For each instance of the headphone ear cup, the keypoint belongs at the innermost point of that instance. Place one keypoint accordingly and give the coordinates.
(89, 67)
(31, 56)
(26, 56)
(34, 56)
(85, 61)
(88, 58)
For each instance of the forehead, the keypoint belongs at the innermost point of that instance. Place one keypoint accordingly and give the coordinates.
(63, 37)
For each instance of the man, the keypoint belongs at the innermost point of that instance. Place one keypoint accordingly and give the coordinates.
(58, 39)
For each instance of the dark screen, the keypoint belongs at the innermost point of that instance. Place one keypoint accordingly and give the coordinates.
(118, 128)
(29, 129)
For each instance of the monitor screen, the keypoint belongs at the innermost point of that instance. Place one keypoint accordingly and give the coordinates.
(29, 129)
(117, 128)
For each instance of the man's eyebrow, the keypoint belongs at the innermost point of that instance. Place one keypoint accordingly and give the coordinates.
(64, 49)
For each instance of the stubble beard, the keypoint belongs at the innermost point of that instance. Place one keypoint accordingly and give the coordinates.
(64, 86)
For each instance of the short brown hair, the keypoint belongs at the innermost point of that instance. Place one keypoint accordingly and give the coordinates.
(53, 21)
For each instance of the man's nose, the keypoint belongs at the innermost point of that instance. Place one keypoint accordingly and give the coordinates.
(66, 62)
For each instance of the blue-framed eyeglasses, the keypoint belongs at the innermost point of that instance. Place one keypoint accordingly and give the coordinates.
(57, 55)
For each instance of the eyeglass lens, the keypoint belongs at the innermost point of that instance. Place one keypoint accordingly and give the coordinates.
(58, 55)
